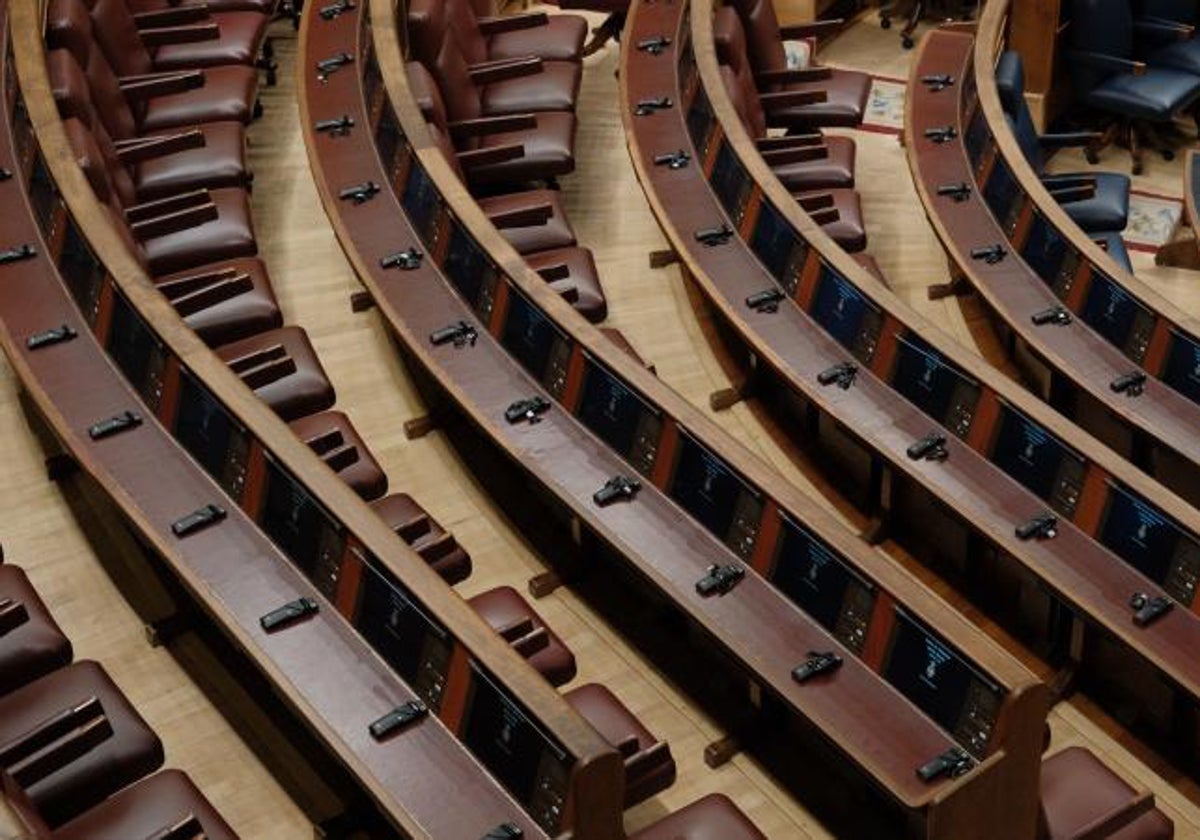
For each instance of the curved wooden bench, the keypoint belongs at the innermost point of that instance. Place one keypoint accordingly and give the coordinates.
(1081, 369)
(79, 281)
(468, 275)
(1184, 251)
(961, 511)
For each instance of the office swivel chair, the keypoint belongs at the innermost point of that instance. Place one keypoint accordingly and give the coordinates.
(1166, 30)
(1097, 203)
(1107, 78)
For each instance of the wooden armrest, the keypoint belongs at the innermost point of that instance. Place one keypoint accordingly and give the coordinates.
(12, 615)
(325, 441)
(1168, 30)
(550, 273)
(272, 371)
(194, 301)
(483, 126)
(783, 77)
(528, 645)
(156, 147)
(188, 828)
(169, 223)
(139, 88)
(438, 548)
(488, 74)
(815, 201)
(491, 155)
(342, 457)
(174, 16)
(628, 747)
(536, 214)
(514, 630)
(188, 34)
(1111, 63)
(808, 30)
(1067, 195)
(256, 358)
(790, 141)
(791, 99)
(647, 758)
(48, 731)
(193, 282)
(489, 26)
(567, 290)
(825, 215)
(1069, 139)
(53, 757)
(783, 157)
(1117, 819)
(414, 529)
(171, 204)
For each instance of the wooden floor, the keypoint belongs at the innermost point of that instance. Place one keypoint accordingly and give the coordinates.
(314, 282)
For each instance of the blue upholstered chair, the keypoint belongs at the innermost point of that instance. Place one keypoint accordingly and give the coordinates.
(1108, 78)
(1098, 202)
(1166, 34)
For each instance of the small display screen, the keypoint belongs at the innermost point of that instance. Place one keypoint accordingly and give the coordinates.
(1141, 534)
(1044, 249)
(777, 246)
(202, 426)
(846, 314)
(611, 409)
(1031, 455)
(730, 181)
(938, 680)
(699, 121)
(466, 263)
(528, 334)
(502, 736)
(83, 273)
(1111, 311)
(811, 574)
(421, 201)
(933, 384)
(1001, 191)
(707, 488)
(977, 137)
(42, 195)
(392, 623)
(135, 349)
(293, 519)
(1182, 370)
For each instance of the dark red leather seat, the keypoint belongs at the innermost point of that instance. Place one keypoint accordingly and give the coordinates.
(649, 767)
(580, 286)
(714, 817)
(558, 38)
(31, 643)
(847, 228)
(511, 616)
(1078, 792)
(124, 751)
(224, 302)
(266, 7)
(552, 86)
(331, 435)
(282, 369)
(146, 809)
(423, 534)
(555, 232)
(846, 90)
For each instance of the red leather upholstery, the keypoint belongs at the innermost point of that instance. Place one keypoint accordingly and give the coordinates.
(229, 93)
(436, 546)
(848, 230)
(266, 7)
(241, 37)
(526, 239)
(559, 39)
(226, 237)
(581, 287)
(649, 769)
(146, 808)
(32, 646)
(512, 617)
(227, 318)
(331, 435)
(713, 817)
(129, 753)
(289, 393)
(1077, 789)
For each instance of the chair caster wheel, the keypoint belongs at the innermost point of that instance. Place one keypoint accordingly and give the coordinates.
(885, 23)
(1137, 169)
(1167, 154)
(1092, 157)
(906, 42)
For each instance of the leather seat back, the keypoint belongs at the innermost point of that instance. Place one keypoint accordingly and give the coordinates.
(465, 26)
(117, 36)
(765, 46)
(730, 39)
(1102, 26)
(1010, 82)
(434, 45)
(429, 99)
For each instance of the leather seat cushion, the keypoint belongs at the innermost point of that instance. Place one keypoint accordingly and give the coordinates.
(220, 162)
(555, 233)
(1178, 55)
(833, 171)
(846, 92)
(143, 810)
(1076, 789)
(364, 476)
(555, 88)
(306, 391)
(581, 283)
(253, 311)
(549, 152)
(713, 817)
(1114, 244)
(226, 237)
(35, 647)
(266, 7)
(561, 39)
(451, 562)
(131, 752)
(1108, 209)
(504, 607)
(229, 93)
(1155, 96)
(848, 230)
(240, 36)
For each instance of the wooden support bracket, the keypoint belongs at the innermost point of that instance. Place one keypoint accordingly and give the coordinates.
(727, 398)
(542, 585)
(361, 302)
(418, 427)
(958, 287)
(876, 531)
(164, 630)
(720, 751)
(663, 258)
(60, 467)
(1181, 253)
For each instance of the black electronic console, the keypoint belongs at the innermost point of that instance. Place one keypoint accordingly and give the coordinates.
(954, 762)
(407, 260)
(765, 301)
(714, 236)
(958, 192)
(359, 193)
(1148, 609)
(817, 663)
(460, 334)
(673, 160)
(1131, 384)
(842, 374)
(720, 580)
(941, 134)
(616, 488)
(46, 338)
(114, 425)
(398, 718)
(645, 107)
(990, 254)
(504, 831)
(289, 614)
(21, 252)
(932, 447)
(530, 409)
(1057, 315)
(1044, 526)
(198, 519)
